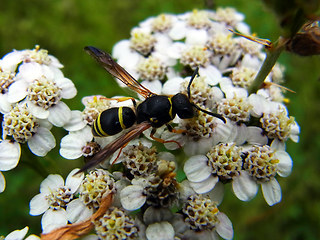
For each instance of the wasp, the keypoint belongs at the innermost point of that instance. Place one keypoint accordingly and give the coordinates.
(154, 112)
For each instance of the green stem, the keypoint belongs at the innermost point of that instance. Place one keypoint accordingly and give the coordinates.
(272, 56)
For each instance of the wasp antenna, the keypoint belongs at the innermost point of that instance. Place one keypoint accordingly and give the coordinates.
(210, 113)
(195, 73)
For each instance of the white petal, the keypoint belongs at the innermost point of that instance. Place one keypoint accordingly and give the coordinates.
(178, 31)
(10, 61)
(172, 86)
(160, 231)
(9, 155)
(17, 91)
(224, 228)
(2, 183)
(73, 181)
(244, 187)
(294, 132)
(32, 237)
(196, 37)
(285, 163)
(17, 234)
(154, 86)
(53, 181)
(37, 111)
(71, 146)
(217, 193)
(30, 71)
(132, 197)
(271, 191)
(67, 86)
(212, 74)
(254, 136)
(76, 122)
(77, 211)
(38, 204)
(42, 142)
(5, 106)
(118, 48)
(197, 169)
(204, 186)
(53, 219)
(60, 114)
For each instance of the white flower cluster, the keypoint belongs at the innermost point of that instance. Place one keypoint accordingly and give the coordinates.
(32, 87)
(149, 200)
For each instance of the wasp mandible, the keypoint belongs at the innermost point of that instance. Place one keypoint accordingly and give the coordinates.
(155, 111)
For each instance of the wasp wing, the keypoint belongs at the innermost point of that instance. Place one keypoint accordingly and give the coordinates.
(117, 71)
(108, 150)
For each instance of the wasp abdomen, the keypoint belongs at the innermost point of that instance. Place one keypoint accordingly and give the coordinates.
(113, 121)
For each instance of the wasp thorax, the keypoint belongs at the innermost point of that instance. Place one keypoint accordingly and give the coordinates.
(161, 23)
(199, 19)
(195, 56)
(140, 160)
(260, 163)
(151, 69)
(59, 198)
(115, 224)
(6, 79)
(200, 213)
(225, 160)
(44, 93)
(202, 126)
(94, 186)
(19, 123)
(243, 76)
(37, 55)
(142, 41)
(222, 43)
(277, 125)
(236, 109)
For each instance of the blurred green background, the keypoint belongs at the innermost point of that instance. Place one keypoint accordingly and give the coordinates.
(64, 27)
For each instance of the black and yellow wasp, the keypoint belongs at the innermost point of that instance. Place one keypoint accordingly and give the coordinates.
(155, 111)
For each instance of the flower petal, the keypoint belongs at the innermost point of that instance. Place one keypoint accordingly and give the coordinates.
(271, 191)
(71, 146)
(73, 181)
(9, 155)
(76, 122)
(53, 181)
(42, 142)
(224, 228)
(53, 219)
(38, 111)
(244, 187)
(77, 211)
(60, 114)
(285, 163)
(132, 198)
(160, 231)
(154, 86)
(17, 91)
(38, 204)
(197, 169)
(204, 186)
(2, 183)
(67, 86)
(17, 234)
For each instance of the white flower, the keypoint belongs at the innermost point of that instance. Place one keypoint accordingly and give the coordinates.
(272, 160)
(160, 231)
(53, 198)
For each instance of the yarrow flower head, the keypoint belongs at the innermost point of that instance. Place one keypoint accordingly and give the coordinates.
(233, 136)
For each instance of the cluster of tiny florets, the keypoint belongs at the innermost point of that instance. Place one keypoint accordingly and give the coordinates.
(19, 123)
(236, 109)
(225, 160)
(94, 186)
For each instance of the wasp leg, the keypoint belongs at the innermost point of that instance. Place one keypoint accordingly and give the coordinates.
(178, 131)
(153, 131)
(119, 153)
